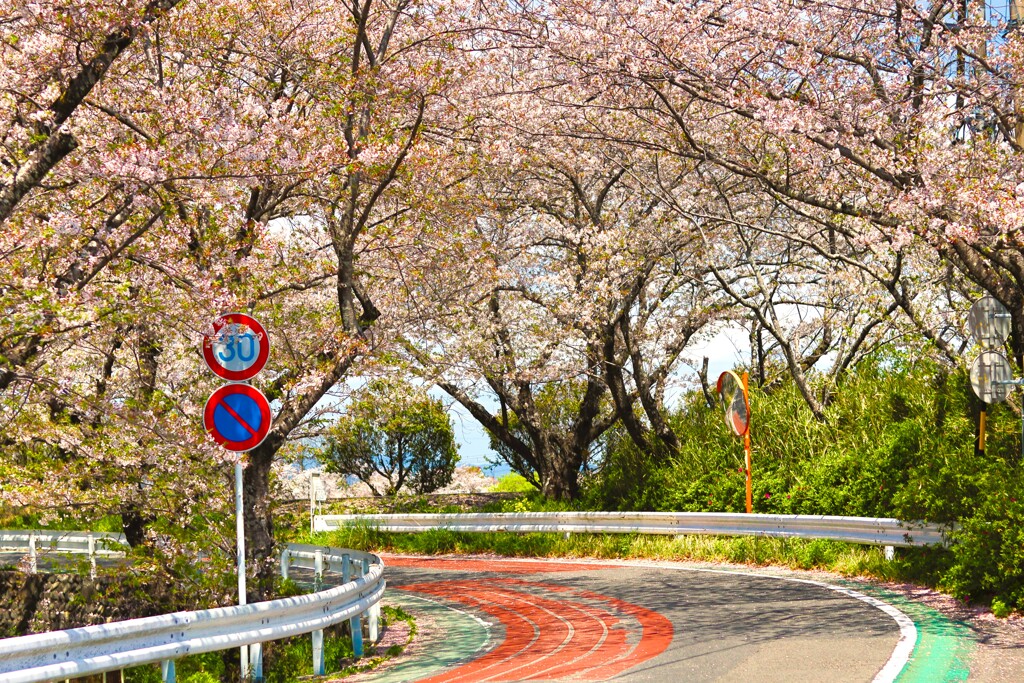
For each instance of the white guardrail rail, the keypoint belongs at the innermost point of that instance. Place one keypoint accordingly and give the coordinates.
(865, 530)
(78, 652)
(92, 543)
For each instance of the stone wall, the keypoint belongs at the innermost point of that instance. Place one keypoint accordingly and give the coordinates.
(33, 603)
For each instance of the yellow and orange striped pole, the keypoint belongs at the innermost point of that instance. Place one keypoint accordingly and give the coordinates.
(746, 445)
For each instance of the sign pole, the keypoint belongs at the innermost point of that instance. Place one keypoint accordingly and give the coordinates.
(981, 431)
(240, 532)
(746, 451)
(237, 416)
(314, 481)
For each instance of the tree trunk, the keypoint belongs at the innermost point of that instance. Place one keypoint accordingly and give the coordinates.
(560, 478)
(134, 524)
(260, 546)
(561, 483)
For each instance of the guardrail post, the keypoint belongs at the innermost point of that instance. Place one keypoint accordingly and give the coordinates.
(286, 560)
(356, 622)
(374, 618)
(32, 566)
(318, 653)
(318, 570)
(890, 552)
(319, 666)
(92, 556)
(373, 613)
(167, 670)
(256, 662)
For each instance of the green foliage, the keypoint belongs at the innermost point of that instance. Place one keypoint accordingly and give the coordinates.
(208, 667)
(397, 432)
(513, 482)
(989, 552)
(287, 661)
(556, 407)
(1000, 608)
(898, 442)
(143, 674)
(288, 589)
(199, 677)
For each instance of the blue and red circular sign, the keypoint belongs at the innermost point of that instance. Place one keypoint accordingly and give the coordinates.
(237, 416)
(238, 348)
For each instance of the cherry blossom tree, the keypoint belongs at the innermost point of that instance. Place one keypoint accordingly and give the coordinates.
(241, 156)
(894, 122)
(584, 292)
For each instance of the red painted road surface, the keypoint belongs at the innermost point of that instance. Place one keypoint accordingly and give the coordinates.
(552, 631)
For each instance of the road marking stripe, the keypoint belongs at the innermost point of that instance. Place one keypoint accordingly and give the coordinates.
(562, 647)
(908, 632)
(601, 644)
(516, 632)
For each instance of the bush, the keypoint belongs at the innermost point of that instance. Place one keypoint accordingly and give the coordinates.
(898, 442)
(393, 431)
(989, 553)
(513, 483)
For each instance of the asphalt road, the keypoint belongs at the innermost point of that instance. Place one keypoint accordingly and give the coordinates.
(513, 620)
(506, 620)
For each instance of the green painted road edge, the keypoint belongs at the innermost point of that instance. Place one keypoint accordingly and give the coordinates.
(944, 647)
(941, 653)
(455, 638)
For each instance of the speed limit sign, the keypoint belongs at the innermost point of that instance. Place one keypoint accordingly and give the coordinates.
(238, 348)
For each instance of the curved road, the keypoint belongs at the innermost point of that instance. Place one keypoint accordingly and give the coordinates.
(501, 619)
(518, 620)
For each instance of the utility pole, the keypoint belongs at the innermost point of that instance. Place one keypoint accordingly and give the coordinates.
(1018, 129)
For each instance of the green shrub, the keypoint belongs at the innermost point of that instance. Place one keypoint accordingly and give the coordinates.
(989, 552)
(1000, 608)
(199, 677)
(898, 441)
(513, 483)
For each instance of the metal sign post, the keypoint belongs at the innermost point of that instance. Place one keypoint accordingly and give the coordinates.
(240, 534)
(238, 418)
(314, 484)
(746, 446)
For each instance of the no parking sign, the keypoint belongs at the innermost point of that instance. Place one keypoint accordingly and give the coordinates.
(237, 416)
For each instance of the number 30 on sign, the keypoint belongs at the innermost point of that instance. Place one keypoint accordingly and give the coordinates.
(238, 348)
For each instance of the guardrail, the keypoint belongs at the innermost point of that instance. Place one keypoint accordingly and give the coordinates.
(91, 543)
(865, 530)
(89, 650)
